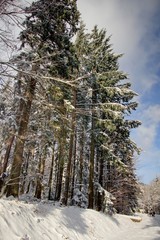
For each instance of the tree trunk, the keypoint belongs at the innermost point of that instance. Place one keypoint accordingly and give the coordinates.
(7, 154)
(12, 137)
(68, 171)
(12, 187)
(50, 178)
(100, 180)
(91, 172)
(74, 166)
(5, 161)
(92, 154)
(25, 173)
(59, 181)
(39, 186)
(81, 160)
(109, 176)
(59, 174)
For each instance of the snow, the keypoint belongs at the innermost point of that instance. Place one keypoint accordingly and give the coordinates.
(49, 221)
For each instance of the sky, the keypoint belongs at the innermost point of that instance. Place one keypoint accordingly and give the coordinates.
(134, 27)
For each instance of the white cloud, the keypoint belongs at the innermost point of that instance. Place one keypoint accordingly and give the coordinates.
(146, 137)
(131, 24)
(146, 134)
(148, 165)
(152, 113)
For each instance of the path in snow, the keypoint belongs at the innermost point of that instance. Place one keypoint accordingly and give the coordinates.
(147, 229)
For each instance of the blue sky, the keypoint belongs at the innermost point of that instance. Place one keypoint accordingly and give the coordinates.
(135, 29)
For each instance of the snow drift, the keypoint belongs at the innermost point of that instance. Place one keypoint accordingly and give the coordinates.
(47, 221)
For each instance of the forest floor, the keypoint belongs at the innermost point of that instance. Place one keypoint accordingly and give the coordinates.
(21, 220)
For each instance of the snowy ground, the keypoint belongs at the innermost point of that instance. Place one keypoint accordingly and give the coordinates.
(44, 221)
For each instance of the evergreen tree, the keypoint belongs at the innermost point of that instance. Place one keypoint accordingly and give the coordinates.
(49, 28)
(71, 134)
(109, 102)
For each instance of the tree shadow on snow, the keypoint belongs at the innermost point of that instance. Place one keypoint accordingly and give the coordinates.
(70, 217)
(76, 220)
(114, 219)
(73, 219)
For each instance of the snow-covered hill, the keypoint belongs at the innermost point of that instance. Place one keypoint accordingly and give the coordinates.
(46, 221)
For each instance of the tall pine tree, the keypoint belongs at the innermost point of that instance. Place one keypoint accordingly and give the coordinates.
(48, 30)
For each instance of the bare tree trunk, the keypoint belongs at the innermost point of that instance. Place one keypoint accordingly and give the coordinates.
(91, 171)
(25, 172)
(81, 160)
(7, 154)
(13, 185)
(68, 171)
(59, 181)
(100, 180)
(59, 174)
(109, 176)
(10, 141)
(51, 177)
(39, 187)
(74, 166)
(92, 154)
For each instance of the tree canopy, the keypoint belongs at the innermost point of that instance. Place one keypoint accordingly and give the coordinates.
(65, 132)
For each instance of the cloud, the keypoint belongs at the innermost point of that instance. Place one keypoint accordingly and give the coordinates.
(146, 137)
(148, 131)
(148, 166)
(134, 29)
(130, 23)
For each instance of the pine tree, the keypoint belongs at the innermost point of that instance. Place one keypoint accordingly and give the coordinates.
(49, 28)
(72, 133)
(109, 102)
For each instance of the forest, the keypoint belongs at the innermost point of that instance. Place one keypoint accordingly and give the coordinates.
(65, 111)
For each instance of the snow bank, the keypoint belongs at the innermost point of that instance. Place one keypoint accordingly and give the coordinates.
(45, 221)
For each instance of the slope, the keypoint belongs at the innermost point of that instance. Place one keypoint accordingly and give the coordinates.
(47, 221)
